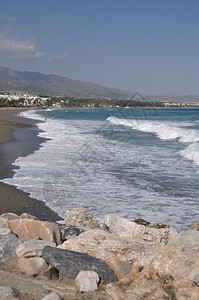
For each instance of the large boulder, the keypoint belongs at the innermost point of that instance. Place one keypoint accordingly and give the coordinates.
(79, 217)
(32, 248)
(146, 283)
(139, 284)
(179, 258)
(188, 239)
(27, 229)
(128, 229)
(104, 245)
(8, 244)
(70, 263)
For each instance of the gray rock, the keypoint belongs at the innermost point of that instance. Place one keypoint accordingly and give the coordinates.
(8, 244)
(70, 231)
(128, 229)
(186, 239)
(1, 222)
(9, 293)
(52, 296)
(32, 247)
(79, 217)
(87, 281)
(70, 263)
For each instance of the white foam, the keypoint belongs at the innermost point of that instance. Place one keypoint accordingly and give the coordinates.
(77, 167)
(191, 152)
(163, 130)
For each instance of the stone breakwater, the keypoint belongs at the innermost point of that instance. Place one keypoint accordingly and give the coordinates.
(80, 259)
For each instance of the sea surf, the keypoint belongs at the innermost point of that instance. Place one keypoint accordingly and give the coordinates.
(137, 163)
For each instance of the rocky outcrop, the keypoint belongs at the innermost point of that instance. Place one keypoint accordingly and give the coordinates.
(8, 244)
(128, 229)
(87, 281)
(150, 261)
(79, 217)
(27, 229)
(70, 263)
(179, 259)
(105, 245)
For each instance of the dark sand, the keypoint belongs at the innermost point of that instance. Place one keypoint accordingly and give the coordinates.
(18, 137)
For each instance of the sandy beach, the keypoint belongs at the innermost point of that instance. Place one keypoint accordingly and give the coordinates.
(18, 137)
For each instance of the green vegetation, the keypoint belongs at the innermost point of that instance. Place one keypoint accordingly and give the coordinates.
(104, 102)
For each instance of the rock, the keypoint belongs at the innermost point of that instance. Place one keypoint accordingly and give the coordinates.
(186, 239)
(32, 248)
(70, 263)
(173, 261)
(31, 288)
(125, 228)
(104, 245)
(3, 223)
(10, 216)
(186, 289)
(79, 217)
(70, 231)
(32, 266)
(194, 226)
(8, 244)
(120, 266)
(52, 296)
(27, 229)
(9, 293)
(87, 281)
(51, 274)
(151, 225)
(27, 216)
(139, 284)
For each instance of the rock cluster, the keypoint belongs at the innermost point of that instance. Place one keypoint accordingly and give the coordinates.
(123, 260)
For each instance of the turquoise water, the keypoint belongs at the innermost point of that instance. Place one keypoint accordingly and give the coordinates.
(138, 163)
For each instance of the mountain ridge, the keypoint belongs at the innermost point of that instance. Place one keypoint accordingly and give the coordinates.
(51, 84)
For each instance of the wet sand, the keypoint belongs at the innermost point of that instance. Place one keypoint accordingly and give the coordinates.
(18, 137)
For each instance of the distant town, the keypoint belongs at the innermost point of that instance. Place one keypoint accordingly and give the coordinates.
(22, 99)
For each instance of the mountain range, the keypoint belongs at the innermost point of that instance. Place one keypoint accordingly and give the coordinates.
(53, 85)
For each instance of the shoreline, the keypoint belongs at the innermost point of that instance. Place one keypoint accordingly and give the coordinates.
(19, 137)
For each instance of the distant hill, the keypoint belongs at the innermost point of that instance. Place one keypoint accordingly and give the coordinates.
(38, 83)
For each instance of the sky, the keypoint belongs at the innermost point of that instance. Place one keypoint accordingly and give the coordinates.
(146, 46)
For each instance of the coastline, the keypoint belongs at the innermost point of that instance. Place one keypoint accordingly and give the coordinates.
(19, 137)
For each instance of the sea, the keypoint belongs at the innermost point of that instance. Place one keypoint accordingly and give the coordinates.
(133, 162)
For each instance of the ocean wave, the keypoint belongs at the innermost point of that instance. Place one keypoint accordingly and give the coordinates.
(191, 153)
(163, 130)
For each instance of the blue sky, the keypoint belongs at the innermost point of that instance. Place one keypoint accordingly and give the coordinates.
(150, 46)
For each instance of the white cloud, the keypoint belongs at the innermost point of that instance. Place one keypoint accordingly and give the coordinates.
(53, 57)
(16, 48)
